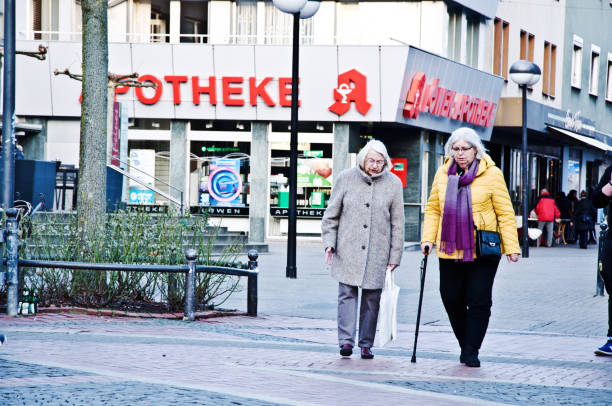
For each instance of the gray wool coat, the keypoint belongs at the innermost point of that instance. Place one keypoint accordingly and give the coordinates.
(364, 224)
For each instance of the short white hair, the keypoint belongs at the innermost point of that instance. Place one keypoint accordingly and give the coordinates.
(376, 146)
(468, 135)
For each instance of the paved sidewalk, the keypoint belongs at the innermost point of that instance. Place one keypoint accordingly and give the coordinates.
(82, 359)
(538, 351)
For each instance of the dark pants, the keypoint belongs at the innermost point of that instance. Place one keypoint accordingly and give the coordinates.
(606, 274)
(583, 238)
(466, 289)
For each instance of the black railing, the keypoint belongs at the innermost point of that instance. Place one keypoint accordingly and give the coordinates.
(12, 263)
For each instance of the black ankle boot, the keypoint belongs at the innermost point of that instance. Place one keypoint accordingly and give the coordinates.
(469, 356)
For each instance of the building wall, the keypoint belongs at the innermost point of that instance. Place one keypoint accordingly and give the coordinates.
(544, 19)
(590, 20)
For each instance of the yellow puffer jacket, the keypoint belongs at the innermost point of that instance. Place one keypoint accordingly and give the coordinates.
(491, 207)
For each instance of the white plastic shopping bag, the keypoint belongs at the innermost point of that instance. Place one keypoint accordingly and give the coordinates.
(386, 329)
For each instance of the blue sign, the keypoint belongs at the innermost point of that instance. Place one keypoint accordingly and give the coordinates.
(142, 196)
(224, 182)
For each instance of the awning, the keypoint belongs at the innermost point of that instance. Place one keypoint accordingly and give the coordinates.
(584, 139)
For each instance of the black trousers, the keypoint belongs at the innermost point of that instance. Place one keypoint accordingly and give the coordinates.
(583, 238)
(466, 289)
(606, 274)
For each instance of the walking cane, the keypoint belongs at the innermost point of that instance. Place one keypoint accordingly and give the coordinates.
(416, 332)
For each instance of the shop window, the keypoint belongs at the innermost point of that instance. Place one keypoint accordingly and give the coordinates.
(149, 162)
(549, 69)
(594, 71)
(609, 81)
(500, 50)
(315, 174)
(219, 174)
(577, 63)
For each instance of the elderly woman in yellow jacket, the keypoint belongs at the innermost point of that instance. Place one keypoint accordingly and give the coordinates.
(468, 192)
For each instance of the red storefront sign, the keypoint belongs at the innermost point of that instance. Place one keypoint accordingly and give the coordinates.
(233, 90)
(434, 99)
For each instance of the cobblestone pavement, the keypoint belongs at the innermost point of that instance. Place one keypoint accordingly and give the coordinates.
(538, 351)
(81, 359)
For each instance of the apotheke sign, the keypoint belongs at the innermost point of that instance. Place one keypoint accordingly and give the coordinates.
(251, 83)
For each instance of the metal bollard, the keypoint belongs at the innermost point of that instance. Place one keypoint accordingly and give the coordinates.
(603, 235)
(190, 281)
(12, 262)
(252, 284)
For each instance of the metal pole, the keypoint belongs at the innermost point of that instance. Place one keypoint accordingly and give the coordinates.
(252, 285)
(291, 271)
(12, 262)
(190, 279)
(8, 113)
(525, 173)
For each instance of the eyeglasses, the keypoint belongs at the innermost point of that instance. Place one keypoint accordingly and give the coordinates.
(371, 161)
(457, 150)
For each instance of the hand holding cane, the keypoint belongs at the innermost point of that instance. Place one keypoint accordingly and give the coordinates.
(416, 332)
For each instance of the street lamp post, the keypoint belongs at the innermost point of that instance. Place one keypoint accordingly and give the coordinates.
(8, 114)
(525, 73)
(299, 9)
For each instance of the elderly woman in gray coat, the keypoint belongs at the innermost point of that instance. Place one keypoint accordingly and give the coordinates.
(363, 236)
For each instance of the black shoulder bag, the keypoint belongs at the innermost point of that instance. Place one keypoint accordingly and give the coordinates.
(488, 244)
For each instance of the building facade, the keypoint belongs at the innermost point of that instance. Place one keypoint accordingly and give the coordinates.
(216, 127)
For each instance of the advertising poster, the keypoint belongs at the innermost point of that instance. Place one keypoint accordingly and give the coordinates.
(225, 182)
(573, 174)
(315, 172)
(142, 167)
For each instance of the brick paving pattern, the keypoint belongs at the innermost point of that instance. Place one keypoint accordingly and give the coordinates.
(539, 349)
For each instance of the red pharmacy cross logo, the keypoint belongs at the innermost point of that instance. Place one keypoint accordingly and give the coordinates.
(352, 88)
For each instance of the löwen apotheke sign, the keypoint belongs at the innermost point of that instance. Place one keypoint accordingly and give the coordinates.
(252, 82)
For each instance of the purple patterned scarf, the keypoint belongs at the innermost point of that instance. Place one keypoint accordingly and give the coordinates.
(457, 220)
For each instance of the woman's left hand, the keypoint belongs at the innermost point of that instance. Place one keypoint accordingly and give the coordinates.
(512, 257)
(391, 267)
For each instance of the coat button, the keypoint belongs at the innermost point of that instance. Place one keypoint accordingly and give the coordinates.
(365, 226)
(367, 204)
(363, 247)
(369, 183)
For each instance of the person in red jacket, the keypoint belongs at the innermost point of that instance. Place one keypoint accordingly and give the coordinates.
(547, 213)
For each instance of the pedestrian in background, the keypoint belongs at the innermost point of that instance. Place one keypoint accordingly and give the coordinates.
(584, 219)
(572, 198)
(468, 191)
(547, 212)
(363, 236)
(602, 197)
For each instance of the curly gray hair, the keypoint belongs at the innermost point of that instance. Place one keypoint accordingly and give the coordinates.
(468, 135)
(376, 146)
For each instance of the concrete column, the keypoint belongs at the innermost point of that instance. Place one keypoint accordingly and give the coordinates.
(260, 194)
(175, 21)
(179, 153)
(340, 151)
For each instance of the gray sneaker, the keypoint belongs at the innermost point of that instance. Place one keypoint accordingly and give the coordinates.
(2, 339)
